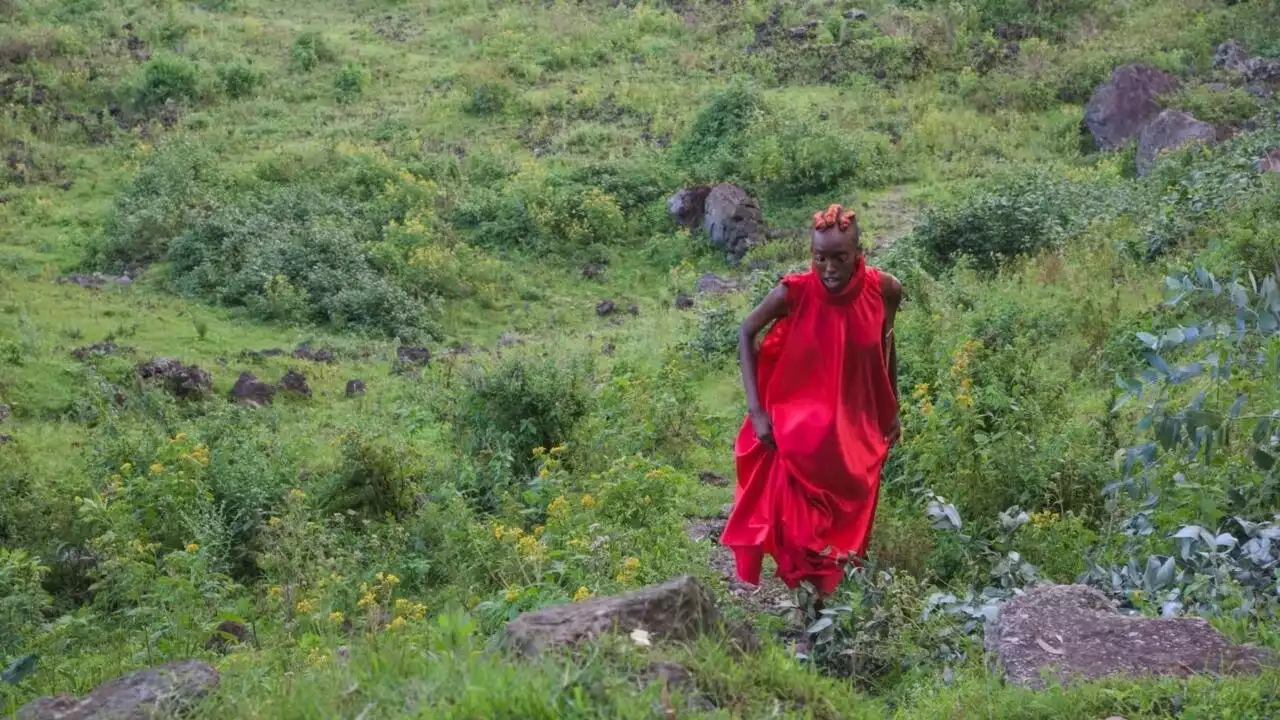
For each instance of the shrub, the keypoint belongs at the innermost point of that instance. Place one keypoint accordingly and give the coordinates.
(23, 601)
(349, 82)
(717, 334)
(240, 79)
(797, 158)
(167, 78)
(309, 50)
(488, 98)
(719, 131)
(374, 479)
(506, 411)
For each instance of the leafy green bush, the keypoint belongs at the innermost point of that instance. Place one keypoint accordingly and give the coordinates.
(166, 78)
(798, 158)
(23, 601)
(309, 50)
(350, 81)
(240, 79)
(719, 131)
(375, 478)
(489, 98)
(717, 334)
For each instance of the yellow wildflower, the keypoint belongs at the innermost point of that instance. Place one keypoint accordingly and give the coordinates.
(274, 521)
(336, 617)
(589, 501)
(305, 606)
(544, 473)
(391, 579)
(557, 449)
(558, 506)
(539, 451)
(397, 624)
(317, 656)
(192, 547)
(126, 468)
(537, 531)
(297, 495)
(631, 563)
(274, 591)
(366, 599)
(156, 468)
(513, 595)
(921, 391)
(582, 594)
(180, 437)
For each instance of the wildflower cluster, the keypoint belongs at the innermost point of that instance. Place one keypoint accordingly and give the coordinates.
(627, 574)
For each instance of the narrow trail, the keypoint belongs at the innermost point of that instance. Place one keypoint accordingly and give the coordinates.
(769, 597)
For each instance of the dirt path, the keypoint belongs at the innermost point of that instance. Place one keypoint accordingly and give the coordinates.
(893, 219)
(767, 598)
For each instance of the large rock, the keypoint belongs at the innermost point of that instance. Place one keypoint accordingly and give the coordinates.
(1075, 633)
(1172, 129)
(1230, 55)
(712, 284)
(679, 609)
(252, 392)
(732, 219)
(184, 381)
(687, 206)
(154, 693)
(1121, 108)
(1267, 163)
(296, 383)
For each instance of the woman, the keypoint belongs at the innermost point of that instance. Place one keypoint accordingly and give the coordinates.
(822, 413)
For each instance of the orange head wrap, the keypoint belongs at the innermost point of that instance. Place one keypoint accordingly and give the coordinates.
(834, 216)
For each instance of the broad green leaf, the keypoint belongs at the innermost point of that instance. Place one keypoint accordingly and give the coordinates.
(821, 624)
(19, 669)
(1149, 340)
(1263, 459)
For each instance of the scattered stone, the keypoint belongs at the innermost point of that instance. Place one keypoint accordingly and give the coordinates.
(633, 309)
(708, 477)
(1012, 32)
(1263, 70)
(806, 31)
(260, 354)
(98, 350)
(1172, 129)
(1230, 55)
(509, 338)
(413, 355)
(679, 609)
(163, 691)
(593, 271)
(684, 302)
(228, 633)
(96, 281)
(138, 49)
(1122, 107)
(688, 206)
(184, 381)
(726, 510)
(295, 382)
(606, 307)
(608, 349)
(1260, 92)
(732, 220)
(5, 412)
(65, 185)
(855, 14)
(1075, 632)
(712, 284)
(355, 388)
(305, 352)
(1267, 163)
(675, 675)
(252, 392)
(5, 439)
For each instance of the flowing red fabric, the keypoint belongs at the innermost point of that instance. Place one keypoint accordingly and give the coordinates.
(823, 379)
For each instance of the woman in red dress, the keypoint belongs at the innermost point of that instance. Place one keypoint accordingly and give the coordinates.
(822, 413)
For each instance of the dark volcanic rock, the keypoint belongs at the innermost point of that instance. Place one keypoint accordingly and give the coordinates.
(1122, 107)
(1270, 162)
(593, 271)
(683, 302)
(606, 307)
(733, 220)
(1172, 129)
(688, 206)
(98, 350)
(164, 691)
(251, 391)
(228, 633)
(677, 610)
(413, 355)
(184, 381)
(306, 352)
(295, 382)
(712, 284)
(355, 388)
(1075, 632)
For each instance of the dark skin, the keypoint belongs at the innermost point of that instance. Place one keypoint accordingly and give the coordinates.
(835, 255)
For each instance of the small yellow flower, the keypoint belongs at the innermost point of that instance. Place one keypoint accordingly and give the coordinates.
(317, 656)
(589, 501)
(366, 599)
(379, 577)
(631, 563)
(539, 451)
(156, 468)
(513, 595)
(397, 624)
(336, 617)
(537, 531)
(274, 591)
(297, 495)
(192, 547)
(921, 391)
(558, 506)
(391, 579)
(544, 473)
(180, 437)
(273, 522)
(305, 606)
(558, 449)
(126, 468)
(582, 594)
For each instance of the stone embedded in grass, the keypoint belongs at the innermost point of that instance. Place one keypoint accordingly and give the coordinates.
(1169, 131)
(355, 388)
(252, 392)
(688, 205)
(295, 382)
(708, 477)
(1075, 633)
(413, 355)
(677, 610)
(184, 381)
(712, 284)
(684, 302)
(1269, 162)
(306, 352)
(593, 271)
(96, 281)
(1122, 107)
(733, 220)
(228, 633)
(606, 307)
(164, 691)
(98, 350)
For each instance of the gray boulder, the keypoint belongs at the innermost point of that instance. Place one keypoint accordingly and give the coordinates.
(162, 691)
(1170, 130)
(1122, 107)
(183, 381)
(687, 206)
(712, 284)
(732, 219)
(252, 392)
(1074, 632)
(1267, 163)
(1230, 55)
(679, 609)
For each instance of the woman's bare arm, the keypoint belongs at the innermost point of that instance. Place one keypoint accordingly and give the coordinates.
(772, 308)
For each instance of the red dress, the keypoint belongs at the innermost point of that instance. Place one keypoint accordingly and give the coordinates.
(823, 379)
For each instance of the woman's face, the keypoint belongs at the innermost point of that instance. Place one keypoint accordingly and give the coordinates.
(835, 255)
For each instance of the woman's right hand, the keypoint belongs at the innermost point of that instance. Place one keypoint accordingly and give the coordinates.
(763, 427)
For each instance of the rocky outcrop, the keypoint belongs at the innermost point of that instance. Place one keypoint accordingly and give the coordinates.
(295, 382)
(1270, 162)
(712, 284)
(306, 352)
(252, 392)
(355, 388)
(1074, 632)
(604, 308)
(1170, 130)
(96, 281)
(733, 220)
(1122, 107)
(687, 206)
(676, 610)
(158, 692)
(1231, 56)
(413, 355)
(183, 381)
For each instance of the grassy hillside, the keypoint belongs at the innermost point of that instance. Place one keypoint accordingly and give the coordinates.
(370, 175)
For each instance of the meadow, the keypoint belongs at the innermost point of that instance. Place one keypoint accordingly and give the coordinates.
(1089, 357)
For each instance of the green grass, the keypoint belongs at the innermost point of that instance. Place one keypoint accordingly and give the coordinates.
(549, 136)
